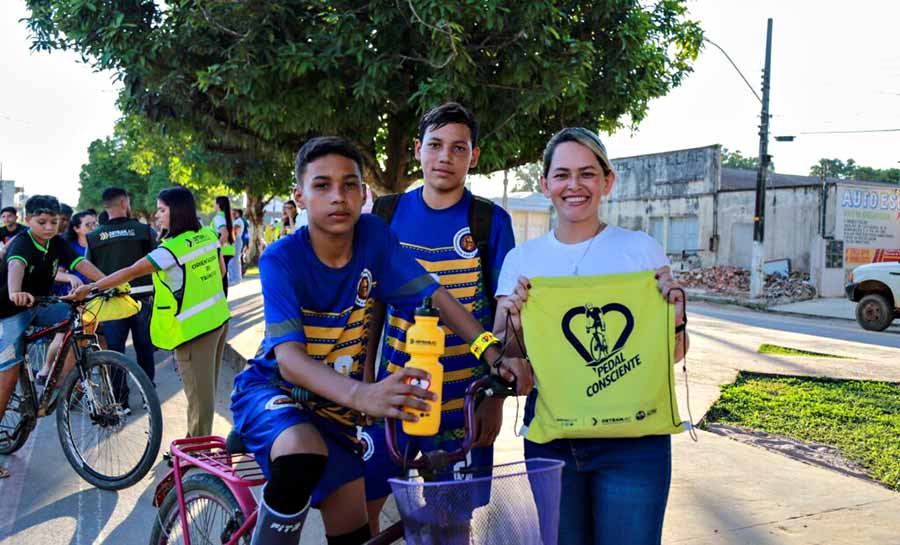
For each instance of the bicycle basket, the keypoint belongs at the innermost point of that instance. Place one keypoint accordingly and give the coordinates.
(523, 506)
(114, 308)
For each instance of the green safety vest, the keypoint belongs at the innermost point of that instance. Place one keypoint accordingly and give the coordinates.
(200, 305)
(227, 249)
(601, 348)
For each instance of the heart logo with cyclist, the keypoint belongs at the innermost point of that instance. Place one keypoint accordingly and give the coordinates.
(597, 326)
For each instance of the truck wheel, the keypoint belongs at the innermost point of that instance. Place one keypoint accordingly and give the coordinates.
(874, 312)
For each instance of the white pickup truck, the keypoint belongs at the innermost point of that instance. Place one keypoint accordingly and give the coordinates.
(876, 290)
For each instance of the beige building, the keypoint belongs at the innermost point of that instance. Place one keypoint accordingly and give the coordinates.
(531, 214)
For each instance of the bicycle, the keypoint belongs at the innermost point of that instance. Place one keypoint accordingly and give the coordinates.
(206, 495)
(108, 440)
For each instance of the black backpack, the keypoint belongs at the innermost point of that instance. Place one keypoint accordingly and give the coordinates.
(481, 217)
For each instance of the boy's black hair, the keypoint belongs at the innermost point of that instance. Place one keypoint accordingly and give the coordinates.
(321, 146)
(9, 209)
(290, 202)
(112, 193)
(182, 210)
(103, 218)
(42, 204)
(445, 114)
(239, 212)
(65, 210)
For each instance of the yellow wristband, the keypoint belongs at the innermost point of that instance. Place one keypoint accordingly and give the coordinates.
(481, 343)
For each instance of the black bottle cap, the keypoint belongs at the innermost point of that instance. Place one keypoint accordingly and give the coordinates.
(427, 309)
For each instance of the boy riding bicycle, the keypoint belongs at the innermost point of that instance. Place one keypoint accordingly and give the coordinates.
(319, 285)
(28, 271)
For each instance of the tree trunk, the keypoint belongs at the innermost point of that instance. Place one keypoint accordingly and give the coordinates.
(255, 213)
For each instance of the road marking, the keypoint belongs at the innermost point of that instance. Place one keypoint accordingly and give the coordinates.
(11, 487)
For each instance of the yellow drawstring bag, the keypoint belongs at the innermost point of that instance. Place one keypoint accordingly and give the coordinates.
(104, 309)
(601, 348)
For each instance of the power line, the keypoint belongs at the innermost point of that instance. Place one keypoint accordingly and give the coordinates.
(851, 132)
(752, 90)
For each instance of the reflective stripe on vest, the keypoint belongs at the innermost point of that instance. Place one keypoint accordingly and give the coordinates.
(198, 306)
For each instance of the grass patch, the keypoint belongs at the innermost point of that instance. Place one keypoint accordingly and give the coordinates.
(788, 351)
(859, 417)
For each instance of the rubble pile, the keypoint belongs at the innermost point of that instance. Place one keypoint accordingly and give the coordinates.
(730, 280)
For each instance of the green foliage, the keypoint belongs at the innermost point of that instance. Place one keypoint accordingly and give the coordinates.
(861, 418)
(849, 170)
(255, 79)
(528, 177)
(734, 159)
(788, 351)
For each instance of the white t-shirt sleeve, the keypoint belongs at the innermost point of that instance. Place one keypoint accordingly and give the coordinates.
(162, 259)
(509, 272)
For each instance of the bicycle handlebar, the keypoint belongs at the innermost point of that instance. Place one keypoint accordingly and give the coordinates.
(53, 299)
(489, 386)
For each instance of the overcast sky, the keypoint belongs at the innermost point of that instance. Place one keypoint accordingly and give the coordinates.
(835, 67)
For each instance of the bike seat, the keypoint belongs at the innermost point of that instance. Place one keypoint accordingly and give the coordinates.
(234, 444)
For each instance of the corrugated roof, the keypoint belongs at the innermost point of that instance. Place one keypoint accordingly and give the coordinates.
(739, 179)
(525, 201)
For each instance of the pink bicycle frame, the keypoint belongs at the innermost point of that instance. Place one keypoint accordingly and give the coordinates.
(239, 472)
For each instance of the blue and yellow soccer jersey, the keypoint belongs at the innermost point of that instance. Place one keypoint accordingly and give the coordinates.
(329, 309)
(440, 241)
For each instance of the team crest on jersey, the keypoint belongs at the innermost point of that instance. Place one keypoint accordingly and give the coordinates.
(280, 402)
(367, 443)
(363, 287)
(464, 243)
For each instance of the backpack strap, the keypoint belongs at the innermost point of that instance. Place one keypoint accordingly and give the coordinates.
(481, 219)
(385, 206)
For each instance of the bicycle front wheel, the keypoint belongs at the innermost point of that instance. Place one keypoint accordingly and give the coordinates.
(109, 420)
(213, 514)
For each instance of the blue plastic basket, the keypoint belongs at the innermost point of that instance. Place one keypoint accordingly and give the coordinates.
(514, 503)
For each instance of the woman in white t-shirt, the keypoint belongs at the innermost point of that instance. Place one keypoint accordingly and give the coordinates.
(614, 490)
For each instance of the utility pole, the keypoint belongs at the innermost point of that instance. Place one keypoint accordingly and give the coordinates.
(757, 279)
(504, 201)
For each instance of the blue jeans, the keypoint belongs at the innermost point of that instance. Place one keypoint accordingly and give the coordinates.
(116, 333)
(12, 344)
(614, 491)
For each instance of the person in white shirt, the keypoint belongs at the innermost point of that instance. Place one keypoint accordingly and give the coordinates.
(614, 491)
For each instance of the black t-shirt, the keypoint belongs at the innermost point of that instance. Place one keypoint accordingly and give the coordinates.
(6, 235)
(120, 243)
(41, 265)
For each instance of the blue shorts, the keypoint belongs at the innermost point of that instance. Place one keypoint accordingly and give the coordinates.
(380, 467)
(263, 411)
(12, 344)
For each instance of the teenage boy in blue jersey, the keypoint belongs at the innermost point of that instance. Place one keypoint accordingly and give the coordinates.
(319, 286)
(446, 148)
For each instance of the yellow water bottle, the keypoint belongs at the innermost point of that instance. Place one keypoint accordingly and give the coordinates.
(425, 344)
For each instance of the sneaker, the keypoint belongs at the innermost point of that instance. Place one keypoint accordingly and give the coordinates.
(40, 380)
(124, 409)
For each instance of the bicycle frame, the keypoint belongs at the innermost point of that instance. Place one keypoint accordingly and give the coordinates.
(72, 339)
(240, 472)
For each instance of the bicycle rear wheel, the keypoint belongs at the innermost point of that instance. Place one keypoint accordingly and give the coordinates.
(110, 442)
(19, 418)
(213, 514)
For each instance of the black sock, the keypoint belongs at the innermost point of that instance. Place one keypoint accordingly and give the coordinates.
(356, 537)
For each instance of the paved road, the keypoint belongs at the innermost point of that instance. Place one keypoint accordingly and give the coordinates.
(47, 504)
(832, 328)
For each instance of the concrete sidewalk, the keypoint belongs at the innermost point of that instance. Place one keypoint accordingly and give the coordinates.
(723, 491)
(826, 307)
